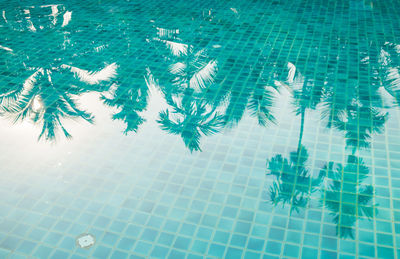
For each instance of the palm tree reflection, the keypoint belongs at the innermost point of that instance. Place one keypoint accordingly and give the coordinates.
(257, 95)
(346, 196)
(355, 108)
(388, 69)
(190, 119)
(45, 104)
(359, 123)
(191, 74)
(51, 83)
(294, 184)
(130, 100)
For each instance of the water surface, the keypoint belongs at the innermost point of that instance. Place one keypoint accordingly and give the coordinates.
(200, 129)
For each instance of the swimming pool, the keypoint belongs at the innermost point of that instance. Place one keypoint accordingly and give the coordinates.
(200, 129)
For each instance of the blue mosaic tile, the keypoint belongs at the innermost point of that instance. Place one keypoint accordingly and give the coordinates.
(119, 255)
(43, 251)
(200, 129)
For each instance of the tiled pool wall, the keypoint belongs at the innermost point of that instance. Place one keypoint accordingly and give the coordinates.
(318, 178)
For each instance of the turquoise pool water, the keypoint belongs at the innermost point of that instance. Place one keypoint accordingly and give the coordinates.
(200, 129)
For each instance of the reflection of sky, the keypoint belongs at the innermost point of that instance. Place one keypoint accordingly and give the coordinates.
(284, 134)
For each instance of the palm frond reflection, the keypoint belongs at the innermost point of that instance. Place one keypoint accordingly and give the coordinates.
(347, 198)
